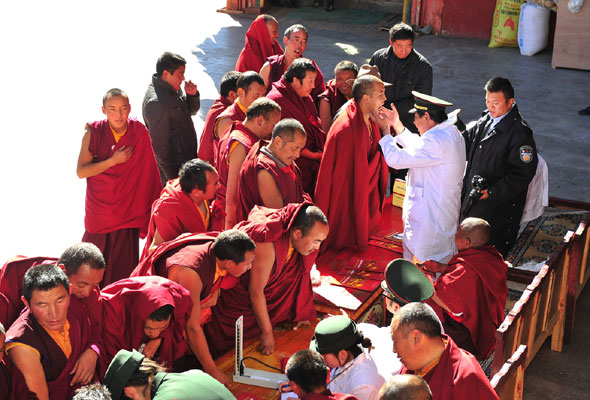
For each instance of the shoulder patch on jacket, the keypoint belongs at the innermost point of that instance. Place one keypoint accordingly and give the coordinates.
(526, 154)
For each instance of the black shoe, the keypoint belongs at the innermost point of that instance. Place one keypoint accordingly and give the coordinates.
(585, 111)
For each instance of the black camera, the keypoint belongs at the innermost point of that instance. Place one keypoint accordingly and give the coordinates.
(478, 184)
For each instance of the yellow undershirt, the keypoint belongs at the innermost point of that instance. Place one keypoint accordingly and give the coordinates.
(61, 338)
(430, 366)
(117, 135)
(289, 252)
(207, 216)
(241, 106)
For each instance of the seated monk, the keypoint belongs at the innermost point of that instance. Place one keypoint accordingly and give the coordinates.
(425, 351)
(292, 93)
(261, 43)
(269, 176)
(278, 288)
(353, 174)
(295, 41)
(227, 95)
(4, 372)
(122, 181)
(471, 290)
(338, 91)
(250, 87)
(201, 263)
(146, 313)
(183, 205)
(261, 118)
(46, 342)
(84, 266)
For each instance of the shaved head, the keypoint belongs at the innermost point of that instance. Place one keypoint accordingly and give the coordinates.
(477, 230)
(405, 387)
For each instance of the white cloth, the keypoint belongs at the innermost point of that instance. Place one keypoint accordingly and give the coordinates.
(358, 377)
(436, 162)
(388, 364)
(537, 197)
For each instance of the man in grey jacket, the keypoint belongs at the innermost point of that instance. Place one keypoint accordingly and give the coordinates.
(167, 114)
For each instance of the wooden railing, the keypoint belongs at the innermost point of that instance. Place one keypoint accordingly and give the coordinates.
(508, 382)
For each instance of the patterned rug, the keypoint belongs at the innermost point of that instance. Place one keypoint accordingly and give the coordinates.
(541, 237)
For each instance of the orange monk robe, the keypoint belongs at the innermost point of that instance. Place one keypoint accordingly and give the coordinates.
(352, 180)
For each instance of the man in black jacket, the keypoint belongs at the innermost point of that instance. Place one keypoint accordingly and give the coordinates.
(501, 149)
(406, 69)
(167, 114)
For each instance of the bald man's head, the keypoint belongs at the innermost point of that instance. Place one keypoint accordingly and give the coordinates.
(473, 232)
(405, 387)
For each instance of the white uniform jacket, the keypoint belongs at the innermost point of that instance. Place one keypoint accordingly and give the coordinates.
(436, 162)
(359, 377)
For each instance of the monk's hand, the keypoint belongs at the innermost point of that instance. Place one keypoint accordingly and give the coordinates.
(316, 277)
(219, 375)
(302, 324)
(267, 343)
(190, 88)
(432, 266)
(151, 347)
(84, 368)
(122, 154)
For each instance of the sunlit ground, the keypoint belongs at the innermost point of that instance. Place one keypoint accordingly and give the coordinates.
(58, 59)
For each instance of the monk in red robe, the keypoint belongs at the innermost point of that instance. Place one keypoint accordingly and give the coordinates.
(353, 174)
(84, 266)
(269, 176)
(295, 41)
(292, 93)
(5, 375)
(472, 289)
(47, 340)
(451, 372)
(183, 205)
(227, 95)
(203, 264)
(261, 117)
(250, 86)
(338, 91)
(123, 180)
(148, 314)
(261, 43)
(278, 288)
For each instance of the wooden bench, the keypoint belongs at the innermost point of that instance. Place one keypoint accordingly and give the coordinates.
(508, 382)
(539, 313)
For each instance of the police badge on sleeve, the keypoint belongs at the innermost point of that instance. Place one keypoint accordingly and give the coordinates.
(526, 154)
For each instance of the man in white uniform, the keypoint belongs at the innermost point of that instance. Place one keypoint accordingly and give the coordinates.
(436, 162)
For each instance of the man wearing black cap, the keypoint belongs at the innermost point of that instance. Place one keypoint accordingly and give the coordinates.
(436, 161)
(131, 375)
(501, 149)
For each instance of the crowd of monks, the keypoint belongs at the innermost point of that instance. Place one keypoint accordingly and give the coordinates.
(288, 165)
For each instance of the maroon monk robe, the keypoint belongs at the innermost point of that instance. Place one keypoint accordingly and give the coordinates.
(56, 366)
(457, 376)
(333, 96)
(327, 395)
(278, 68)
(351, 181)
(5, 378)
(121, 197)
(474, 283)
(287, 178)
(288, 292)
(127, 305)
(304, 111)
(173, 213)
(208, 143)
(236, 133)
(193, 251)
(11, 285)
(257, 47)
(233, 112)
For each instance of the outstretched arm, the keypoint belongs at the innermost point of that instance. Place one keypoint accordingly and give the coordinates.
(29, 364)
(263, 262)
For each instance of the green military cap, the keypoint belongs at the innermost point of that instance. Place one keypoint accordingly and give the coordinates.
(334, 334)
(424, 102)
(405, 283)
(120, 370)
